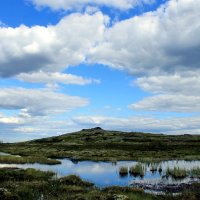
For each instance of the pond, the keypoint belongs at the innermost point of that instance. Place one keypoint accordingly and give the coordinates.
(104, 174)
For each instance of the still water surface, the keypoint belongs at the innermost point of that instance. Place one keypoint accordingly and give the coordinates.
(105, 174)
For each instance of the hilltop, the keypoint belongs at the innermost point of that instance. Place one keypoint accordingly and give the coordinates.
(98, 135)
(100, 144)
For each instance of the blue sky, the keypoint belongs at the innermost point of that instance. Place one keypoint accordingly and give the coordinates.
(129, 65)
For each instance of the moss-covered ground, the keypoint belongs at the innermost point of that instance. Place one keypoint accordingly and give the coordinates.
(101, 145)
(91, 144)
(30, 184)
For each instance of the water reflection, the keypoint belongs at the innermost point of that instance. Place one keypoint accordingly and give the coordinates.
(108, 174)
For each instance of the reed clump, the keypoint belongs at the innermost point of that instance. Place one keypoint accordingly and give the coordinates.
(177, 172)
(137, 170)
(123, 171)
(195, 172)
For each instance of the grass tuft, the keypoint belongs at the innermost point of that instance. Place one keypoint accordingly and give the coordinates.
(137, 170)
(177, 172)
(123, 171)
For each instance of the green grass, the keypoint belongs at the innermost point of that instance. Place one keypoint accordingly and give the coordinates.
(195, 172)
(137, 170)
(75, 180)
(15, 174)
(177, 172)
(101, 145)
(27, 159)
(98, 145)
(123, 171)
(30, 184)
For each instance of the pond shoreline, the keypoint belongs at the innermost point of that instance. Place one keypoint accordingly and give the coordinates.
(114, 160)
(106, 174)
(33, 184)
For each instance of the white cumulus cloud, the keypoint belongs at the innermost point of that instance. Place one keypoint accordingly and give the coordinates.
(188, 84)
(78, 4)
(53, 48)
(169, 103)
(173, 125)
(9, 120)
(56, 77)
(163, 41)
(38, 102)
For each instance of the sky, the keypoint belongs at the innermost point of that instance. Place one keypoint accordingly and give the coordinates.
(130, 65)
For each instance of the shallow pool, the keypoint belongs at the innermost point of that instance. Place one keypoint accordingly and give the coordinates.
(107, 173)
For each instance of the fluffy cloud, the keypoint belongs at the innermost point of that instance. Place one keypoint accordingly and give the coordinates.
(25, 127)
(8, 120)
(56, 77)
(189, 125)
(34, 102)
(45, 127)
(188, 84)
(169, 103)
(172, 93)
(78, 4)
(164, 41)
(52, 48)
(163, 46)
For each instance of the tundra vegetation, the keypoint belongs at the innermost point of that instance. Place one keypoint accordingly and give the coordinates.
(177, 173)
(137, 170)
(98, 145)
(30, 184)
(123, 171)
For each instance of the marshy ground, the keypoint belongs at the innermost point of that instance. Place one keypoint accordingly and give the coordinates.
(97, 145)
(30, 184)
(100, 145)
